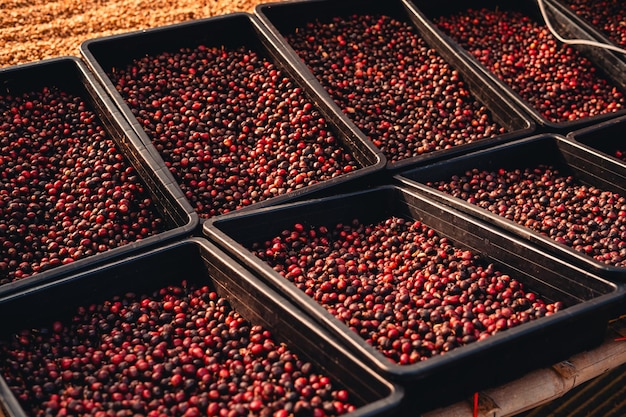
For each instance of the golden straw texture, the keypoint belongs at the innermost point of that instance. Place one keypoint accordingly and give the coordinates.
(31, 30)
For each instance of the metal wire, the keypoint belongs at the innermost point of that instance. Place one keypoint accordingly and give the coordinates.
(575, 41)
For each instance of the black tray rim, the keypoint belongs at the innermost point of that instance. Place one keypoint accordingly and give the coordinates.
(574, 137)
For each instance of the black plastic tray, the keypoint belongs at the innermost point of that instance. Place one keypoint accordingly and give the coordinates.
(589, 30)
(442, 379)
(71, 75)
(196, 260)
(233, 30)
(281, 18)
(606, 137)
(591, 168)
(605, 61)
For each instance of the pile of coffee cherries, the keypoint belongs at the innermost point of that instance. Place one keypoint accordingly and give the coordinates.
(409, 292)
(66, 190)
(607, 16)
(398, 90)
(556, 80)
(232, 128)
(555, 204)
(179, 351)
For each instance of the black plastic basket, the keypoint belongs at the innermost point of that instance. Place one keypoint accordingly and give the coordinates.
(197, 261)
(105, 54)
(606, 137)
(70, 75)
(605, 61)
(456, 374)
(590, 168)
(282, 18)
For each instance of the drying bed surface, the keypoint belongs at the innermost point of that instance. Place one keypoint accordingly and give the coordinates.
(40, 29)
